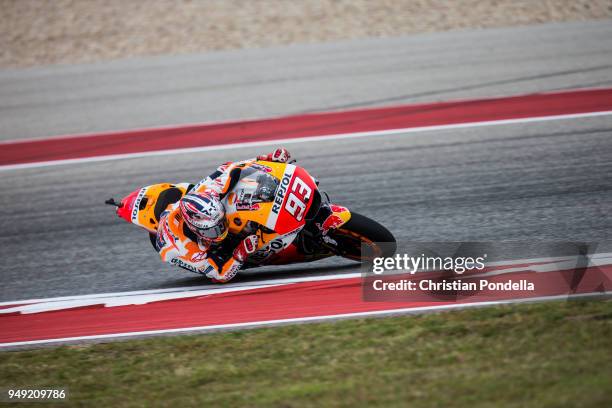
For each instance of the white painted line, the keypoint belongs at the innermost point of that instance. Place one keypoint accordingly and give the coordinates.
(597, 259)
(301, 319)
(114, 301)
(303, 140)
(211, 288)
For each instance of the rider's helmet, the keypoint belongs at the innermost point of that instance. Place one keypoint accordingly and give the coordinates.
(204, 214)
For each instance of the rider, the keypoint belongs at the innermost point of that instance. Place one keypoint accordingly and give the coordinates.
(191, 230)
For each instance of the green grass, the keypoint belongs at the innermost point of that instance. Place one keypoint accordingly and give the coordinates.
(542, 355)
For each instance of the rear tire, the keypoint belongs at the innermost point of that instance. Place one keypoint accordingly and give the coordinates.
(363, 230)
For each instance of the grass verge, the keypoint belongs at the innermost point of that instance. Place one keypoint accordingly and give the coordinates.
(541, 355)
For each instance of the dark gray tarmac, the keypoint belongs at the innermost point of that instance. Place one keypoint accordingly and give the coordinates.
(528, 182)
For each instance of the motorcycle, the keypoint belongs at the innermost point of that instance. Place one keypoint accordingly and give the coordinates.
(286, 203)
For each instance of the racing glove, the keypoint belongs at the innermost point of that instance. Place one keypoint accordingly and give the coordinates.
(280, 155)
(246, 248)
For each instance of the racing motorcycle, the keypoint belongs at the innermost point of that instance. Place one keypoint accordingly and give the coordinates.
(286, 203)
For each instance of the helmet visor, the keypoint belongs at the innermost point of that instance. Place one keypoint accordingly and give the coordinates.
(218, 232)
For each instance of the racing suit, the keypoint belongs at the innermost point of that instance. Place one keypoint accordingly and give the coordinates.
(178, 245)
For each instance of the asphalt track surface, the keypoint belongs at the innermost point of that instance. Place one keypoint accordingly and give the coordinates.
(229, 85)
(537, 181)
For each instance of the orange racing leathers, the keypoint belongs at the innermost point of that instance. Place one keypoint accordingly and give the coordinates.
(178, 245)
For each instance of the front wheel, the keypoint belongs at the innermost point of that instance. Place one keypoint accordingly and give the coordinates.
(363, 230)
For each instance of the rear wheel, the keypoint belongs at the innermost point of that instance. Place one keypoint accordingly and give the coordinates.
(363, 230)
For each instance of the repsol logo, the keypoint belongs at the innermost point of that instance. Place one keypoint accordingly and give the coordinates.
(137, 203)
(232, 272)
(181, 264)
(280, 194)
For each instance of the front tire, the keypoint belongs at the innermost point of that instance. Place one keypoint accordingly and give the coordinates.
(363, 230)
